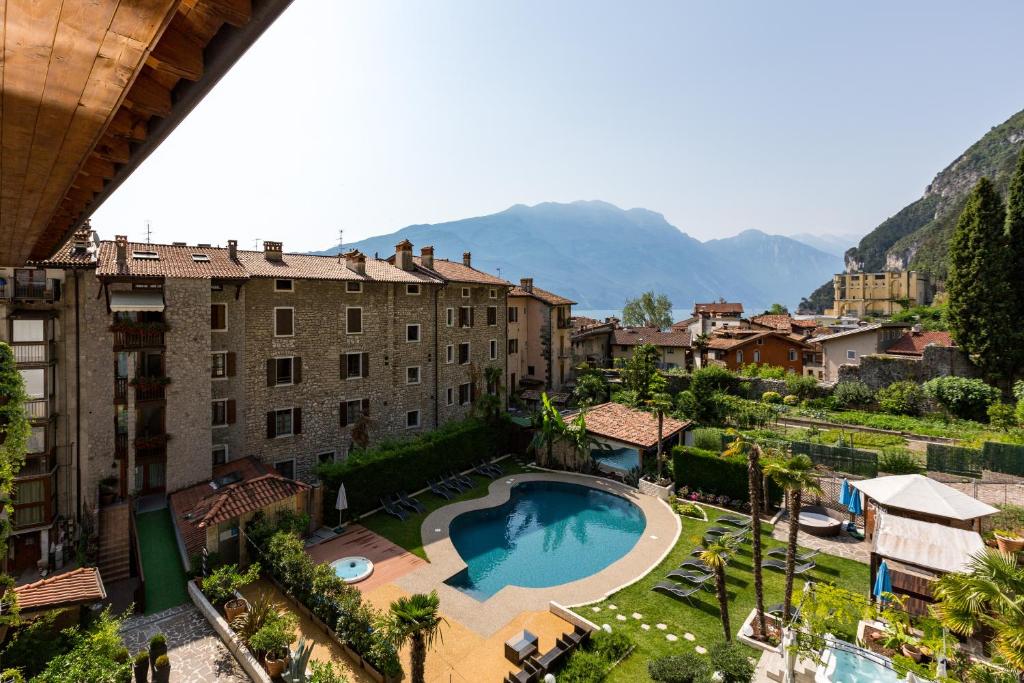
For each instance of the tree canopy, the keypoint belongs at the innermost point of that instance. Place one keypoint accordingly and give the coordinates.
(648, 310)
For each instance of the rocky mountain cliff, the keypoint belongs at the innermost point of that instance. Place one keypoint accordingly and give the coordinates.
(918, 236)
(598, 255)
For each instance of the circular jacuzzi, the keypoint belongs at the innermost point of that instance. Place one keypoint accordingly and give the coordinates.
(352, 569)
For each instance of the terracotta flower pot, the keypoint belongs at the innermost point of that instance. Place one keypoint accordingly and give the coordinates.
(1010, 544)
(912, 651)
(233, 608)
(274, 667)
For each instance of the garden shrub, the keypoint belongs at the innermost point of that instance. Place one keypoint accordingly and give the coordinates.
(791, 399)
(687, 406)
(220, 586)
(626, 397)
(407, 465)
(30, 648)
(1009, 517)
(763, 371)
(96, 647)
(707, 438)
(688, 667)
(771, 397)
(732, 662)
(584, 666)
(711, 379)
(803, 386)
(896, 460)
(962, 397)
(852, 394)
(689, 510)
(612, 646)
(901, 398)
(1002, 416)
(709, 472)
(743, 413)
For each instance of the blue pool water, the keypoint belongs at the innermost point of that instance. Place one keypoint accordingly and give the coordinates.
(619, 459)
(848, 667)
(546, 534)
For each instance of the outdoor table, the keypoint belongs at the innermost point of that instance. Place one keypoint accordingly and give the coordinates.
(520, 646)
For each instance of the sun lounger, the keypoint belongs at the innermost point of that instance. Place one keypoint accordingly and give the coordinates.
(394, 510)
(800, 557)
(718, 531)
(781, 566)
(735, 521)
(438, 489)
(482, 470)
(463, 479)
(494, 467)
(453, 485)
(694, 577)
(459, 484)
(410, 503)
(697, 565)
(673, 590)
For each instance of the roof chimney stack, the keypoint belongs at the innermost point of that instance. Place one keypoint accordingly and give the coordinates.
(526, 284)
(80, 240)
(427, 257)
(403, 255)
(121, 244)
(467, 259)
(272, 251)
(356, 262)
(233, 250)
(916, 329)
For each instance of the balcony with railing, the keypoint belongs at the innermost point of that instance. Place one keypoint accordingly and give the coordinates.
(151, 445)
(564, 323)
(33, 353)
(34, 501)
(120, 390)
(129, 336)
(120, 446)
(45, 292)
(37, 465)
(150, 388)
(37, 409)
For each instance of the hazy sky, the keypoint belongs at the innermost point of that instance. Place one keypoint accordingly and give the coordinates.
(369, 115)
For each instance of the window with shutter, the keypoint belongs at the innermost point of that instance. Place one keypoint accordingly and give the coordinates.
(296, 370)
(231, 363)
(284, 322)
(354, 320)
(219, 413)
(296, 420)
(492, 315)
(218, 317)
(412, 333)
(464, 353)
(231, 411)
(271, 372)
(218, 364)
(353, 367)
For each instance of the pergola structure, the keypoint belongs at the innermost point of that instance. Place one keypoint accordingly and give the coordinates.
(90, 89)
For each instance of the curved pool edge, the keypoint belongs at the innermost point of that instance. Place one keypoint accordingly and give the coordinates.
(660, 534)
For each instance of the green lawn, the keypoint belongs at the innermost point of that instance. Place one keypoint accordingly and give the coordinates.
(165, 578)
(701, 619)
(407, 533)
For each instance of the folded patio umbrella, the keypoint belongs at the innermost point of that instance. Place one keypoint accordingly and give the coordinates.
(854, 505)
(883, 581)
(844, 492)
(342, 502)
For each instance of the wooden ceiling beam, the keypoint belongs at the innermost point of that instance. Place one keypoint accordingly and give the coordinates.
(113, 149)
(148, 97)
(93, 183)
(178, 53)
(95, 166)
(234, 12)
(78, 194)
(127, 125)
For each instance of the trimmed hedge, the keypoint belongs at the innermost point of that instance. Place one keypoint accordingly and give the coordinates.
(954, 460)
(1007, 458)
(839, 458)
(407, 465)
(710, 472)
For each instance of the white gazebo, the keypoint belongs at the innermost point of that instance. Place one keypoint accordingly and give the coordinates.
(916, 496)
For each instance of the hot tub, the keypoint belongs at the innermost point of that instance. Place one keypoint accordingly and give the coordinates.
(820, 521)
(352, 569)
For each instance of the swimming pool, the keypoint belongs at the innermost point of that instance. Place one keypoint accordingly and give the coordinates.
(620, 460)
(547, 533)
(842, 666)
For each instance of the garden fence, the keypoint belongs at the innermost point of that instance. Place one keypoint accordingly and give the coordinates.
(839, 458)
(1005, 458)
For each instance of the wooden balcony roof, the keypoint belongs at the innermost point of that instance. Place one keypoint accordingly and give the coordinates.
(90, 89)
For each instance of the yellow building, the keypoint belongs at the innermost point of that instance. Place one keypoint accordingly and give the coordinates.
(878, 294)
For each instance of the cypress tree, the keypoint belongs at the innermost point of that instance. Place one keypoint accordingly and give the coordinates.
(1015, 252)
(980, 306)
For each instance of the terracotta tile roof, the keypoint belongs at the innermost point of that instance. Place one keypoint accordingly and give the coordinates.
(871, 327)
(200, 506)
(631, 336)
(311, 267)
(455, 271)
(81, 586)
(683, 324)
(66, 257)
(542, 295)
(778, 322)
(580, 322)
(628, 425)
(171, 261)
(743, 337)
(718, 307)
(913, 343)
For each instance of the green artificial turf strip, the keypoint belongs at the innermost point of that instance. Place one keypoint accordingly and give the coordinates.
(407, 534)
(161, 563)
(702, 619)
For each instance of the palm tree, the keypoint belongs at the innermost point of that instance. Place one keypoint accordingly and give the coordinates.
(740, 447)
(796, 476)
(415, 620)
(990, 595)
(660, 403)
(548, 429)
(715, 553)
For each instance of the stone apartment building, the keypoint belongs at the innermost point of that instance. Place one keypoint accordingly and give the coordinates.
(539, 338)
(148, 364)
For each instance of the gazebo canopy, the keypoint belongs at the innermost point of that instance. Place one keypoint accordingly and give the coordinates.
(925, 544)
(918, 493)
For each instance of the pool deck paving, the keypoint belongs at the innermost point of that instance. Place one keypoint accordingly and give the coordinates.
(488, 617)
(843, 545)
(771, 669)
(390, 562)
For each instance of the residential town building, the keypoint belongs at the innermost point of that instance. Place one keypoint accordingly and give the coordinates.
(539, 338)
(847, 347)
(592, 343)
(707, 318)
(673, 346)
(914, 342)
(214, 354)
(734, 348)
(802, 328)
(878, 294)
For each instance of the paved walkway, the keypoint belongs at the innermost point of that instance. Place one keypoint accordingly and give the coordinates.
(771, 669)
(842, 545)
(197, 654)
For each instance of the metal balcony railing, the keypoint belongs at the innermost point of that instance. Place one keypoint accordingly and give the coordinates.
(120, 390)
(37, 465)
(138, 339)
(149, 389)
(120, 446)
(32, 352)
(37, 409)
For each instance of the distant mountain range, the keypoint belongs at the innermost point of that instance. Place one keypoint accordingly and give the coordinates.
(917, 237)
(830, 244)
(598, 255)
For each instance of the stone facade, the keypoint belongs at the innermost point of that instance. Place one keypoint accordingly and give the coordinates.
(881, 370)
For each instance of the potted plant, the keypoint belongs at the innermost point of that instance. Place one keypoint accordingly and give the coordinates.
(108, 490)
(142, 667)
(221, 587)
(898, 637)
(273, 641)
(162, 669)
(157, 647)
(1009, 541)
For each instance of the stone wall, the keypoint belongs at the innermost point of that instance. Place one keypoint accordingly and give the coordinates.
(233, 386)
(881, 370)
(96, 380)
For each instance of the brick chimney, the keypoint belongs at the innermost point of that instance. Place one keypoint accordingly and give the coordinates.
(526, 284)
(467, 259)
(403, 255)
(121, 245)
(80, 240)
(233, 250)
(355, 261)
(427, 257)
(272, 251)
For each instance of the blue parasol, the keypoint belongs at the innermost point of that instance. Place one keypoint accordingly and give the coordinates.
(883, 582)
(854, 505)
(844, 492)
